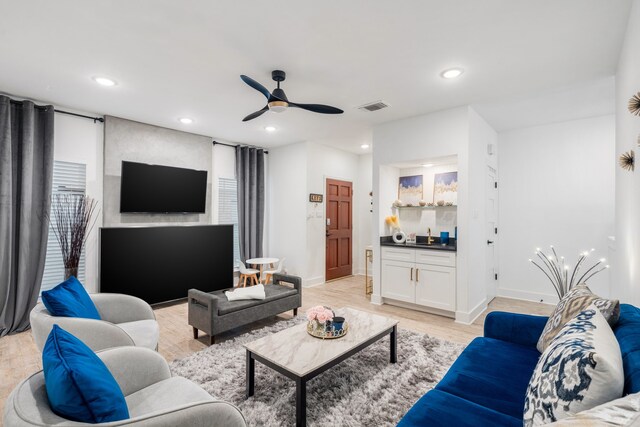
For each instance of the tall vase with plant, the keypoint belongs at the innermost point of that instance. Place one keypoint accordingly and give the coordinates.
(72, 218)
(559, 272)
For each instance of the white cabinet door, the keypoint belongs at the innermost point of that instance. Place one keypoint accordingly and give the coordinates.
(436, 286)
(397, 280)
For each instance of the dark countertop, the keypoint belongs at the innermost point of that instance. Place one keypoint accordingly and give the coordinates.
(421, 244)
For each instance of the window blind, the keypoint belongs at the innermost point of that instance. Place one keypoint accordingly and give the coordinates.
(68, 178)
(228, 211)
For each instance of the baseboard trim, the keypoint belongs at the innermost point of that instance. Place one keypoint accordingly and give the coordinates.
(470, 317)
(312, 281)
(376, 299)
(421, 308)
(528, 296)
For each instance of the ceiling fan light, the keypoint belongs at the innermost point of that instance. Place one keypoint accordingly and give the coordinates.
(278, 106)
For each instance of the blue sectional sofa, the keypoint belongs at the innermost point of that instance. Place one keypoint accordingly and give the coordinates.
(486, 385)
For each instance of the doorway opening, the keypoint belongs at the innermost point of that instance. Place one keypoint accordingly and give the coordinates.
(339, 229)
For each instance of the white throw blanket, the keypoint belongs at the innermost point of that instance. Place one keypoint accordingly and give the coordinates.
(252, 292)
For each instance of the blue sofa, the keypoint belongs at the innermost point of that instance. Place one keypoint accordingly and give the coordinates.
(486, 385)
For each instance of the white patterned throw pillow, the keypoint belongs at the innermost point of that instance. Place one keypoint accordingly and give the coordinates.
(576, 300)
(580, 369)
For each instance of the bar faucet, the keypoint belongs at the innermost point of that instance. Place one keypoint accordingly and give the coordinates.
(429, 238)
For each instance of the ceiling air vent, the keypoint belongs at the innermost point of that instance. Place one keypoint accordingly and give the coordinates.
(373, 106)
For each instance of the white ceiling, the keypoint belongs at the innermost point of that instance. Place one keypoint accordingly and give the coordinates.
(183, 58)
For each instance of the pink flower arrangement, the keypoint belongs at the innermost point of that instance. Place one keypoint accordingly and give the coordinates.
(319, 313)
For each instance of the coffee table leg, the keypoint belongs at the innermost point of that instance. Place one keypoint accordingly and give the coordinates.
(251, 368)
(301, 403)
(394, 344)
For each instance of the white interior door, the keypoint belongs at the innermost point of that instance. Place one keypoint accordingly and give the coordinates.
(492, 233)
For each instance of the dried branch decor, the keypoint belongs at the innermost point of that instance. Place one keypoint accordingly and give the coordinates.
(557, 271)
(72, 217)
(627, 160)
(634, 104)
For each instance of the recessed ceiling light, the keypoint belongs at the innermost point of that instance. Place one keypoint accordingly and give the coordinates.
(104, 81)
(452, 73)
(427, 165)
(270, 128)
(364, 146)
(186, 120)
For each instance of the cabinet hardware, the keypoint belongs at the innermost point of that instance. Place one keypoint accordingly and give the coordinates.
(417, 275)
(412, 274)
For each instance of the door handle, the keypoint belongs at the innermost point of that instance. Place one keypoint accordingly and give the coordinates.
(417, 275)
(489, 242)
(412, 274)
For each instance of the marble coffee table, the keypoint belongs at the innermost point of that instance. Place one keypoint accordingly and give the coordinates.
(299, 356)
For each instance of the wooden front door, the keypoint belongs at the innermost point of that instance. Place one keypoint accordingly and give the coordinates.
(339, 255)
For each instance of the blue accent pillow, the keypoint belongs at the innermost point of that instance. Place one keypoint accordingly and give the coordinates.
(70, 299)
(79, 385)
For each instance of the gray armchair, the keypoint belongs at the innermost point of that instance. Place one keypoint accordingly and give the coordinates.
(153, 396)
(126, 321)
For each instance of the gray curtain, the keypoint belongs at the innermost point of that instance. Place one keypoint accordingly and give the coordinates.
(26, 168)
(250, 178)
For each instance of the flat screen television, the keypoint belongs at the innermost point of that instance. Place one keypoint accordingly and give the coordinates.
(159, 264)
(162, 189)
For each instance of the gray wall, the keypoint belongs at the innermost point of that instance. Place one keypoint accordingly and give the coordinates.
(143, 143)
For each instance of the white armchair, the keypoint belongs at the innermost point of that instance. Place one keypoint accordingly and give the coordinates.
(126, 321)
(153, 396)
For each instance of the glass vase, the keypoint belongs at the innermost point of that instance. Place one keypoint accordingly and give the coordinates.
(70, 271)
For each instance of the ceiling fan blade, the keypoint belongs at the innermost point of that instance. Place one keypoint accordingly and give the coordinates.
(257, 86)
(317, 108)
(256, 114)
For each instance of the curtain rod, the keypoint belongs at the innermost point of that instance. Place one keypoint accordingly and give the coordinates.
(42, 107)
(234, 146)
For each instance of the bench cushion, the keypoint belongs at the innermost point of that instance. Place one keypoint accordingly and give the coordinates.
(492, 373)
(272, 293)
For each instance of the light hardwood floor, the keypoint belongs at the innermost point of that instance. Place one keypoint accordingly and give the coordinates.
(19, 357)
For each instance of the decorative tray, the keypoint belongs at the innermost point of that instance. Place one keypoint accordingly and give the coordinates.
(331, 335)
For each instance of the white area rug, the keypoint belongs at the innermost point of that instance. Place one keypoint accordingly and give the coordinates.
(364, 390)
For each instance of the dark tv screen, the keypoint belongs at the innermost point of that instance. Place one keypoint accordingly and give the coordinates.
(162, 189)
(159, 264)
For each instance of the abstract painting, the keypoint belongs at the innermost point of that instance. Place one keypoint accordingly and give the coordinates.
(445, 187)
(410, 189)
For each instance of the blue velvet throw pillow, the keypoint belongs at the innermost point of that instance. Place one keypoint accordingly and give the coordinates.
(79, 385)
(70, 299)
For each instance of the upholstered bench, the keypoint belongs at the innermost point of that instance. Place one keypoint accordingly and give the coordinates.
(212, 313)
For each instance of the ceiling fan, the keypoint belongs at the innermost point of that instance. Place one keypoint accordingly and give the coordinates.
(277, 100)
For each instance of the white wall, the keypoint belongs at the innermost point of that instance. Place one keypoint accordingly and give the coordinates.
(480, 136)
(419, 220)
(363, 210)
(626, 262)
(326, 162)
(556, 187)
(434, 135)
(80, 140)
(287, 206)
(296, 226)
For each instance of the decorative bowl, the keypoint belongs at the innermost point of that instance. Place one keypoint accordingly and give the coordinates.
(440, 202)
(327, 335)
